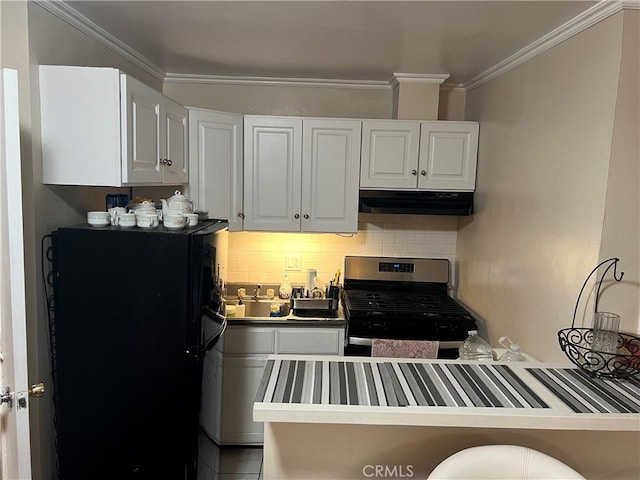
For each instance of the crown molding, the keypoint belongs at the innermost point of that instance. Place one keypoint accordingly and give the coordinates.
(436, 78)
(74, 18)
(631, 4)
(274, 81)
(453, 88)
(595, 14)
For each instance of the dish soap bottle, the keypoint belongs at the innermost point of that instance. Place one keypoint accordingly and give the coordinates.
(475, 348)
(285, 287)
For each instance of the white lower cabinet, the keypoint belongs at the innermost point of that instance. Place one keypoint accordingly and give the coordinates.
(233, 370)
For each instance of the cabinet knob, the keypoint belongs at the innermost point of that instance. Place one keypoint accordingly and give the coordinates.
(296, 216)
(423, 173)
(414, 172)
(240, 215)
(306, 216)
(166, 161)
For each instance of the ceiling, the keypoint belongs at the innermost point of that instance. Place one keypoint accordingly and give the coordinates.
(343, 40)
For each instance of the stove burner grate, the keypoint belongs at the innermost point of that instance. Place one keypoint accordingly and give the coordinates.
(403, 303)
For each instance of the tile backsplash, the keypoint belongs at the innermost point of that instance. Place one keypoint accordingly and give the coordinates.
(261, 257)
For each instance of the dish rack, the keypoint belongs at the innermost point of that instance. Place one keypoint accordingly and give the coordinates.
(577, 343)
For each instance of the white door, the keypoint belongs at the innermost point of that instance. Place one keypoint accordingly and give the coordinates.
(330, 175)
(272, 173)
(215, 164)
(174, 140)
(140, 132)
(448, 156)
(389, 154)
(14, 429)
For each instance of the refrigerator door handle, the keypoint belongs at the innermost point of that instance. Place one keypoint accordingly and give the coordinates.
(210, 343)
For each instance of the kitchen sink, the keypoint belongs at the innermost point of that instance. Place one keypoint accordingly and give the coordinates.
(260, 308)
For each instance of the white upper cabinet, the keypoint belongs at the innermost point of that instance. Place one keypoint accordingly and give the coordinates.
(272, 173)
(301, 174)
(175, 158)
(389, 154)
(102, 127)
(215, 164)
(410, 155)
(448, 156)
(330, 174)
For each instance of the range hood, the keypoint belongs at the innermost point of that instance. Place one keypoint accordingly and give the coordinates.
(416, 202)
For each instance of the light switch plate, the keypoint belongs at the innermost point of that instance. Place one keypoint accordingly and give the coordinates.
(293, 263)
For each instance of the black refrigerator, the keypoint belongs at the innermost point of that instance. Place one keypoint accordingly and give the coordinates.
(134, 312)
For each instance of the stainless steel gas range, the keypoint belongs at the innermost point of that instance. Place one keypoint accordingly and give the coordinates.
(404, 299)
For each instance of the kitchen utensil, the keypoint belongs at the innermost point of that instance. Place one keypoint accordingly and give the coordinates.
(144, 207)
(114, 211)
(147, 221)
(192, 219)
(177, 205)
(98, 219)
(311, 280)
(605, 332)
(202, 215)
(174, 222)
(125, 220)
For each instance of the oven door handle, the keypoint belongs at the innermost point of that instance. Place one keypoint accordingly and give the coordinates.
(366, 342)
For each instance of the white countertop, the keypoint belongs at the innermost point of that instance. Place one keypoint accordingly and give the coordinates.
(555, 415)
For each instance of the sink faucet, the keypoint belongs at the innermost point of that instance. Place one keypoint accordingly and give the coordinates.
(256, 291)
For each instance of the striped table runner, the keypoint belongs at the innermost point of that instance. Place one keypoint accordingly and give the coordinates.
(584, 394)
(395, 384)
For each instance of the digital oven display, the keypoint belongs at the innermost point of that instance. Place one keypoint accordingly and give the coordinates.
(396, 267)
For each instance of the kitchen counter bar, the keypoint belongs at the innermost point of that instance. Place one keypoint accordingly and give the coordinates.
(443, 393)
(345, 417)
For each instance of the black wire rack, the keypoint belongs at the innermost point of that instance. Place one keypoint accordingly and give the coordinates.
(578, 345)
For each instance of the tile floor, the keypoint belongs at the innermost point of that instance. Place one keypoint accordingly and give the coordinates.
(228, 463)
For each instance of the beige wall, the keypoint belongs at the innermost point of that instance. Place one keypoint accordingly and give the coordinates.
(545, 140)
(284, 100)
(621, 228)
(452, 104)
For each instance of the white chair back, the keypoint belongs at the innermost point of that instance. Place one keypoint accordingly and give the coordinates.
(502, 462)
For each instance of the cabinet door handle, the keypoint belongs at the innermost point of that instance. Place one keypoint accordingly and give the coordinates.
(414, 172)
(306, 216)
(166, 161)
(423, 173)
(240, 215)
(296, 216)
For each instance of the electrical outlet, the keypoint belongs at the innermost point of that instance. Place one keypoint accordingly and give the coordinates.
(293, 263)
